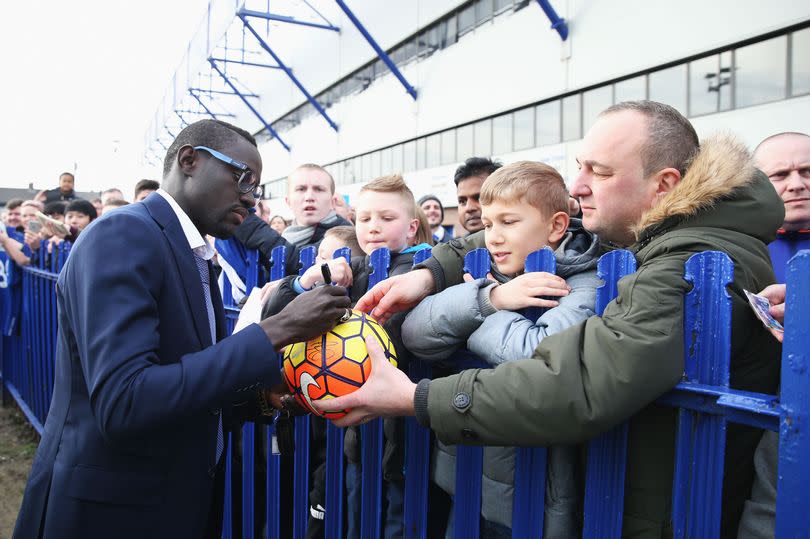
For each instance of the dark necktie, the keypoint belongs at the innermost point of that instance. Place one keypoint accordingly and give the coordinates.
(202, 266)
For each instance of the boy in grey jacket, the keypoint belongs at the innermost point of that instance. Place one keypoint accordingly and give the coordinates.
(524, 208)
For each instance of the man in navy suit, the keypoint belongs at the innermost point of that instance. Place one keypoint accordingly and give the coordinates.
(132, 447)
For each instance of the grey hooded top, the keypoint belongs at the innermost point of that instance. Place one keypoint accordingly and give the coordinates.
(463, 314)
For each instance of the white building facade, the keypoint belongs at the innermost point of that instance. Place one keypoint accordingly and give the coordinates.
(494, 80)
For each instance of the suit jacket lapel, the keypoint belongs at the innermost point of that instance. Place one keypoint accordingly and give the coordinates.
(163, 214)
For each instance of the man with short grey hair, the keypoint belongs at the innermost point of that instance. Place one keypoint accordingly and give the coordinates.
(785, 159)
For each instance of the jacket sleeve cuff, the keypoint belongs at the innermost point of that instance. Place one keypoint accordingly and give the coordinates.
(432, 265)
(420, 403)
(296, 286)
(484, 302)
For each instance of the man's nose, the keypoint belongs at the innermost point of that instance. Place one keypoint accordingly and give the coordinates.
(795, 181)
(580, 187)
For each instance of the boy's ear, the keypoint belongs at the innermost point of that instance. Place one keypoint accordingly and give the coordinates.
(559, 225)
(413, 228)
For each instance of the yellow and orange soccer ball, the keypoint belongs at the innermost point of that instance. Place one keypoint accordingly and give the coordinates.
(335, 363)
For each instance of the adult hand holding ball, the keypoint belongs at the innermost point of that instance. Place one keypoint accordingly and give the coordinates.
(334, 364)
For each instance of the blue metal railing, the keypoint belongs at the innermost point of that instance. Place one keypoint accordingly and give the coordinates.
(705, 403)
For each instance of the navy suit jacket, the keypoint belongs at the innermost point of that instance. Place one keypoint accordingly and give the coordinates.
(128, 449)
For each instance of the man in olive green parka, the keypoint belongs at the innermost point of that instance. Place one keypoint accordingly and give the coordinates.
(647, 186)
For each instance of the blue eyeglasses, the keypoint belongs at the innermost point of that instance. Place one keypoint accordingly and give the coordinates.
(245, 182)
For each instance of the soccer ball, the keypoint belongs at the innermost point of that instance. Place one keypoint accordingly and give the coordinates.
(335, 363)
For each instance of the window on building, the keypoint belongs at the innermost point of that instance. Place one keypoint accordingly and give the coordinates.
(464, 142)
(482, 138)
(409, 156)
(800, 62)
(466, 19)
(760, 72)
(502, 134)
(669, 86)
(397, 163)
(349, 172)
(421, 153)
(502, 5)
(450, 31)
(523, 121)
(547, 123)
(433, 147)
(365, 168)
(710, 82)
(634, 89)
(571, 117)
(386, 161)
(448, 139)
(375, 165)
(593, 102)
(483, 11)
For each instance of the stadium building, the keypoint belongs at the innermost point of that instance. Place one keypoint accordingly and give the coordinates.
(482, 77)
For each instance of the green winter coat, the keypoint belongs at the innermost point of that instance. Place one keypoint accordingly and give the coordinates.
(606, 370)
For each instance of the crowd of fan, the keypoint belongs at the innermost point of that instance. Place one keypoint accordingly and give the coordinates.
(522, 207)
(30, 225)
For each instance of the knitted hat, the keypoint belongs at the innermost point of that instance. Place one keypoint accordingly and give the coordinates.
(432, 197)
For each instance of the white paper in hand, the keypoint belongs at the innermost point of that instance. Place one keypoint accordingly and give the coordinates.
(251, 312)
(761, 308)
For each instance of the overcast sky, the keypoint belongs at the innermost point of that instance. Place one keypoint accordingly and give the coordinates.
(81, 80)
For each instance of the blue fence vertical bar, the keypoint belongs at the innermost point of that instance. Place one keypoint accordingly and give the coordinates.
(794, 425)
(701, 438)
(469, 459)
(249, 428)
(333, 520)
(530, 462)
(417, 457)
(371, 435)
(301, 458)
(607, 453)
(278, 257)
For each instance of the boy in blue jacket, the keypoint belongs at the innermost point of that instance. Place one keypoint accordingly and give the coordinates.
(524, 208)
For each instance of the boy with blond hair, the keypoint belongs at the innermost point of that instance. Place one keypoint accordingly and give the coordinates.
(524, 207)
(386, 217)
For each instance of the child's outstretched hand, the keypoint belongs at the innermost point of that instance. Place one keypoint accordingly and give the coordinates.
(341, 274)
(528, 290)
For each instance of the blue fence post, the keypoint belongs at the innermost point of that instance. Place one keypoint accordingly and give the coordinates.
(469, 459)
(301, 457)
(371, 435)
(249, 428)
(333, 521)
(607, 453)
(278, 258)
(530, 462)
(701, 438)
(794, 436)
(417, 456)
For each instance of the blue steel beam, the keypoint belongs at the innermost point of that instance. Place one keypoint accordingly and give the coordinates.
(289, 73)
(203, 105)
(204, 113)
(248, 105)
(557, 22)
(244, 63)
(381, 53)
(222, 92)
(284, 18)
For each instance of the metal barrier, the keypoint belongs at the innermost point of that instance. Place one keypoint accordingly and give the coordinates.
(29, 359)
(704, 400)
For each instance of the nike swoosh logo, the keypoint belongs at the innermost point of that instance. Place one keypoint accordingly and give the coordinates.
(305, 381)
